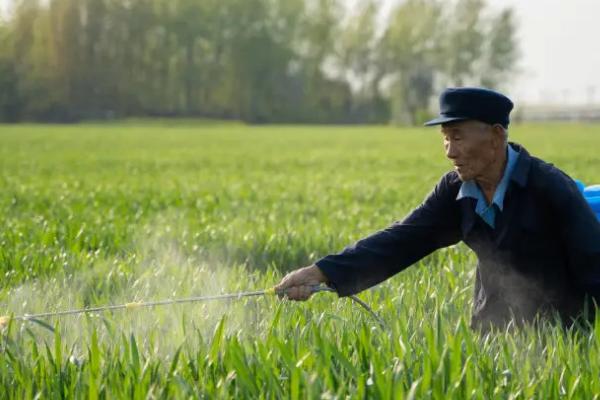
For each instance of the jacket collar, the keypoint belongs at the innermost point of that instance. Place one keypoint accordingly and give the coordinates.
(519, 175)
(521, 172)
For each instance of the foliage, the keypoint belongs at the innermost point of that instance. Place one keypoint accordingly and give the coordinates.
(252, 60)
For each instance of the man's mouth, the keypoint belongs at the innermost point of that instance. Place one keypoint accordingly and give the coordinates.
(460, 168)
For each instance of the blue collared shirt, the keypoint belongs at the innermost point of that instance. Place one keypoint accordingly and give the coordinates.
(488, 211)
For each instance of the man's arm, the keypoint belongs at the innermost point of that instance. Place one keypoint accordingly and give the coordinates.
(432, 225)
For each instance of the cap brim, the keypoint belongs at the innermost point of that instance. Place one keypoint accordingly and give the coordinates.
(443, 120)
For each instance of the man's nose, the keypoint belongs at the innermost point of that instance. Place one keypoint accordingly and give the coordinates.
(451, 152)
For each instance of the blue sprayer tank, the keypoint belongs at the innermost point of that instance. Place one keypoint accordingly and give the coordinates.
(592, 195)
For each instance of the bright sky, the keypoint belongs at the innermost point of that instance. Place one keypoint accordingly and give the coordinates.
(560, 49)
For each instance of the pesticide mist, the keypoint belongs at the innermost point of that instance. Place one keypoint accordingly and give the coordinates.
(158, 269)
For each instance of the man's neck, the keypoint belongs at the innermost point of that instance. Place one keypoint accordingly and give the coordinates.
(489, 182)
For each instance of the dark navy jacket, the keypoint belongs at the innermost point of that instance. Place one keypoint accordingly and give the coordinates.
(543, 255)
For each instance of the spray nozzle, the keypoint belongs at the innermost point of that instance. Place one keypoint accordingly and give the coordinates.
(5, 320)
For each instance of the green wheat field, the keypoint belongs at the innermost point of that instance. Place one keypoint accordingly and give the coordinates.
(97, 214)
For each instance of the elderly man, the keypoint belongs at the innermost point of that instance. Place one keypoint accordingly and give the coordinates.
(536, 238)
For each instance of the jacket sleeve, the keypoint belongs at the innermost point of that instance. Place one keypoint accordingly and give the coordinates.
(581, 235)
(432, 225)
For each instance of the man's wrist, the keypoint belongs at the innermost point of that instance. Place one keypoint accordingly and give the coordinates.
(318, 274)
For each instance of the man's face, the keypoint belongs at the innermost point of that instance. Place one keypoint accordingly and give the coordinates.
(471, 147)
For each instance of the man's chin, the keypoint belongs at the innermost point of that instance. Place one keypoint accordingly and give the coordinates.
(463, 176)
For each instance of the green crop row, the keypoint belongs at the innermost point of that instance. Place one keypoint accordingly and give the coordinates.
(108, 214)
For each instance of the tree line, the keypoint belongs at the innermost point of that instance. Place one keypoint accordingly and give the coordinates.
(260, 61)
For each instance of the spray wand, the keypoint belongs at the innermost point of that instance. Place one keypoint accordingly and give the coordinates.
(4, 320)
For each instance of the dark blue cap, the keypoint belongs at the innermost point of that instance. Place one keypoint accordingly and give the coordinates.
(485, 105)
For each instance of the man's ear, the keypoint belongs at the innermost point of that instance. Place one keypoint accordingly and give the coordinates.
(498, 135)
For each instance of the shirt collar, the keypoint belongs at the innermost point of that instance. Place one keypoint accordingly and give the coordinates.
(471, 189)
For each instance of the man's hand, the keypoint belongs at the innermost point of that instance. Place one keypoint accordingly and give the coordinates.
(297, 284)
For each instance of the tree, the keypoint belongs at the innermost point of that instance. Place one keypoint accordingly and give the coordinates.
(356, 52)
(463, 41)
(254, 60)
(501, 53)
(9, 95)
(410, 48)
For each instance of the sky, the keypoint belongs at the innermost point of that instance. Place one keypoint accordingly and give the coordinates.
(560, 50)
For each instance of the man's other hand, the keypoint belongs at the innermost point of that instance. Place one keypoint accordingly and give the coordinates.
(297, 284)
